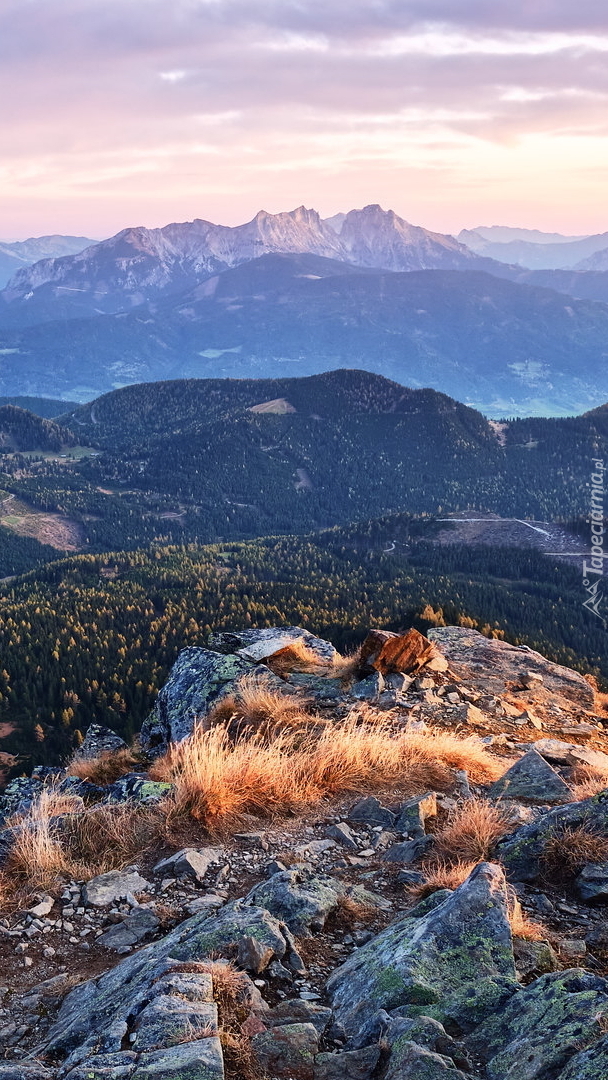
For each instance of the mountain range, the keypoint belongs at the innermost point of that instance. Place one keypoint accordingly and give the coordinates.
(363, 289)
(538, 251)
(20, 253)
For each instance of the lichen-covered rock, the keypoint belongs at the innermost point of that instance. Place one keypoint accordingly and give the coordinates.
(100, 740)
(24, 1071)
(413, 1062)
(521, 852)
(288, 1051)
(196, 680)
(452, 956)
(297, 1011)
(371, 812)
(590, 1064)
(533, 1036)
(299, 898)
(532, 780)
(137, 787)
(534, 957)
(256, 645)
(493, 665)
(95, 1006)
(18, 796)
(414, 813)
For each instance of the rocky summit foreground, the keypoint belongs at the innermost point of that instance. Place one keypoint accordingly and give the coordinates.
(363, 939)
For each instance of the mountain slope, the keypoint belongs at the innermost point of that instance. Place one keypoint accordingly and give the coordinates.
(502, 347)
(552, 253)
(14, 256)
(141, 265)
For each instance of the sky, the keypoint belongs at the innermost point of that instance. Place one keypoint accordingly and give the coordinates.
(454, 113)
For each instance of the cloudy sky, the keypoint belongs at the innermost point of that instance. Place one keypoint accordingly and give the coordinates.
(452, 112)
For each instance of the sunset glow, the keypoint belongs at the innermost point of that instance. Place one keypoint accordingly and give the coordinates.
(146, 112)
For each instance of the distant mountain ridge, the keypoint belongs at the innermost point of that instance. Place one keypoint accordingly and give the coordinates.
(141, 265)
(537, 251)
(20, 253)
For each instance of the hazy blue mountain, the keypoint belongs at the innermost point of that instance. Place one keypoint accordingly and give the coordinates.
(144, 265)
(535, 250)
(20, 253)
(502, 347)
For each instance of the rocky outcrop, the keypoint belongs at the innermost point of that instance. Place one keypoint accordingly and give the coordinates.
(452, 955)
(532, 780)
(522, 852)
(257, 645)
(495, 665)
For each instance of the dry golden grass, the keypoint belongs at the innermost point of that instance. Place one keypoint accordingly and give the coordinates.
(587, 781)
(104, 769)
(84, 844)
(231, 994)
(439, 874)
(37, 854)
(299, 657)
(217, 779)
(471, 832)
(567, 850)
(257, 709)
(523, 927)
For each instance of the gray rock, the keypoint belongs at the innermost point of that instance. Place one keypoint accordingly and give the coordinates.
(414, 813)
(18, 796)
(452, 954)
(103, 890)
(196, 680)
(492, 665)
(592, 882)
(343, 835)
(26, 1071)
(117, 1066)
(201, 1060)
(299, 898)
(532, 780)
(368, 689)
(98, 1006)
(181, 1009)
(253, 955)
(542, 1026)
(590, 1064)
(133, 929)
(370, 812)
(407, 852)
(352, 1065)
(534, 957)
(288, 1051)
(256, 645)
(521, 853)
(190, 862)
(100, 740)
(296, 1011)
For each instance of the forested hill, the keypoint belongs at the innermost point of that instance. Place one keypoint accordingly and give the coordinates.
(50, 408)
(138, 414)
(23, 430)
(93, 637)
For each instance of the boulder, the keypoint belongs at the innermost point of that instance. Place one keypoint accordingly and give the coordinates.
(343, 835)
(299, 898)
(287, 1052)
(99, 740)
(297, 1011)
(385, 652)
(536, 1032)
(189, 862)
(592, 883)
(407, 852)
(521, 852)
(414, 813)
(414, 1062)
(257, 645)
(368, 689)
(103, 1005)
(103, 890)
(532, 780)
(533, 957)
(493, 665)
(452, 954)
(197, 679)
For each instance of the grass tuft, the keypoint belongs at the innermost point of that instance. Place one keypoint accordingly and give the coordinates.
(104, 769)
(471, 832)
(439, 874)
(569, 849)
(217, 779)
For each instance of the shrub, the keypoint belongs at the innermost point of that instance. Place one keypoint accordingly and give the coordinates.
(104, 769)
(568, 849)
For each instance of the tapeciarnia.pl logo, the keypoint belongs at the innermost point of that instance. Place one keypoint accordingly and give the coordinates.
(593, 571)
